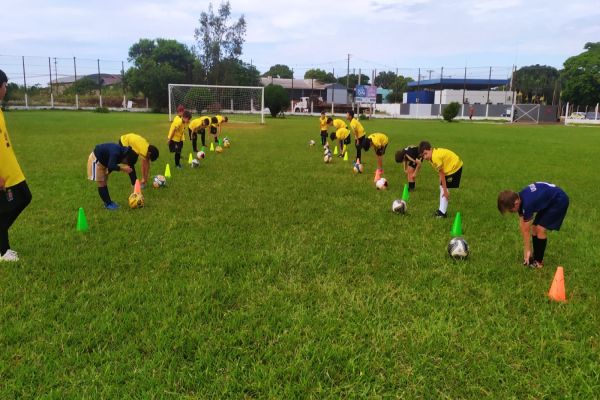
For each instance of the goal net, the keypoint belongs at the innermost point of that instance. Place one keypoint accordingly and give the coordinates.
(210, 99)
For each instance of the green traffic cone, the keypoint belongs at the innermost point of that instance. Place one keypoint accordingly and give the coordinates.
(220, 142)
(167, 171)
(405, 195)
(456, 226)
(190, 159)
(82, 225)
(335, 152)
(212, 146)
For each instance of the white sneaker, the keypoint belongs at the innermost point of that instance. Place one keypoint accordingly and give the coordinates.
(10, 255)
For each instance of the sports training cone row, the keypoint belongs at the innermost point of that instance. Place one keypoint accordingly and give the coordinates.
(557, 289)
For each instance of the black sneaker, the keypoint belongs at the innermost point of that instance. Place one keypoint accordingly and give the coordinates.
(439, 214)
(535, 265)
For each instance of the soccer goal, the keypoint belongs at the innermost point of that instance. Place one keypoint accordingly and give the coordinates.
(211, 99)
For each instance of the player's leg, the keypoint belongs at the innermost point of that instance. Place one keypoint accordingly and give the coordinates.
(203, 137)
(18, 198)
(410, 176)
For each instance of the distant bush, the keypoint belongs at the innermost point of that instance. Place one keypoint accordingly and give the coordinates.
(102, 110)
(451, 111)
(276, 99)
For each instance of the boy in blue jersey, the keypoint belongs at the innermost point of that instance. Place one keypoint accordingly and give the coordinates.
(541, 206)
(106, 158)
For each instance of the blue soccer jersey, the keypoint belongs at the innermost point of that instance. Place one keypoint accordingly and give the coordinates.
(537, 197)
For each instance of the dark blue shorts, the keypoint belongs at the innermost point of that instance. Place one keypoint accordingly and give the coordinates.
(552, 217)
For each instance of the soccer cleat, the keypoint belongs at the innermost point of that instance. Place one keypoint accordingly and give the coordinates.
(112, 206)
(535, 265)
(10, 255)
(178, 167)
(439, 214)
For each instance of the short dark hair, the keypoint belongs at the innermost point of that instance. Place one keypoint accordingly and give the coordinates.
(323, 112)
(187, 114)
(351, 113)
(506, 200)
(214, 120)
(332, 136)
(400, 155)
(3, 77)
(329, 120)
(152, 153)
(225, 119)
(424, 145)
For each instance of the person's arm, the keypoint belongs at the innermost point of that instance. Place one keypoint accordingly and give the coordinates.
(417, 168)
(525, 227)
(443, 183)
(145, 170)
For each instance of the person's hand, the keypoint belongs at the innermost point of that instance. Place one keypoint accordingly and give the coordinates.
(446, 194)
(527, 257)
(2, 183)
(127, 169)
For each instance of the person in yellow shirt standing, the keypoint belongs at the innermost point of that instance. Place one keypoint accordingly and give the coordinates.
(143, 149)
(198, 125)
(449, 166)
(176, 136)
(379, 142)
(359, 134)
(323, 125)
(14, 192)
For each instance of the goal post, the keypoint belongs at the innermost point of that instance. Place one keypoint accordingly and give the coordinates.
(217, 99)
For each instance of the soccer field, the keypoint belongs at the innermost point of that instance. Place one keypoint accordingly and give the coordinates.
(266, 273)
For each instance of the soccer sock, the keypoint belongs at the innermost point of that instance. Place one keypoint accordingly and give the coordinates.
(443, 201)
(4, 245)
(177, 158)
(411, 185)
(202, 137)
(541, 249)
(103, 192)
(195, 145)
(535, 245)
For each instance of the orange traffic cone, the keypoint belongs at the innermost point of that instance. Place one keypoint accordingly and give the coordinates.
(138, 187)
(557, 289)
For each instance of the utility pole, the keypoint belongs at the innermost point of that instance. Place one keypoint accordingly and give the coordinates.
(430, 71)
(348, 78)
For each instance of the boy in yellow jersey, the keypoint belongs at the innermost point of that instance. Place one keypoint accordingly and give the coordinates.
(359, 134)
(449, 167)
(323, 125)
(216, 126)
(176, 136)
(379, 142)
(341, 133)
(143, 149)
(14, 192)
(198, 125)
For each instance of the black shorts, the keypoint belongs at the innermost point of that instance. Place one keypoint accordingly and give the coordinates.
(381, 151)
(552, 217)
(14, 197)
(453, 180)
(213, 130)
(324, 133)
(412, 164)
(175, 147)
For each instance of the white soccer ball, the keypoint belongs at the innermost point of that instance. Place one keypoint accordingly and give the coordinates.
(311, 143)
(399, 206)
(200, 155)
(327, 158)
(381, 184)
(195, 163)
(327, 151)
(458, 248)
(159, 181)
(358, 169)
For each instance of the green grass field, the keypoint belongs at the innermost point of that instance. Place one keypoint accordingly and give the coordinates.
(269, 274)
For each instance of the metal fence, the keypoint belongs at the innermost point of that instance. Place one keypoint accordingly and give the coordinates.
(50, 82)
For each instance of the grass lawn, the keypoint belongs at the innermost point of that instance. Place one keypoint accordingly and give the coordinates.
(266, 273)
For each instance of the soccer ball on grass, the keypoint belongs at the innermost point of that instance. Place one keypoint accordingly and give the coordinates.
(458, 248)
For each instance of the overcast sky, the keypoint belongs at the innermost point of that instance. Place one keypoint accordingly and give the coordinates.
(379, 34)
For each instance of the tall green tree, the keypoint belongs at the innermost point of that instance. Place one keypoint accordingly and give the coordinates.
(156, 63)
(276, 98)
(353, 80)
(398, 87)
(280, 71)
(385, 79)
(320, 75)
(219, 39)
(581, 77)
(535, 82)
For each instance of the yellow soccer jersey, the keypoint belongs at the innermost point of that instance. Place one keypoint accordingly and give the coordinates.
(379, 140)
(342, 133)
(445, 160)
(357, 128)
(176, 131)
(10, 170)
(219, 121)
(198, 123)
(137, 143)
(323, 123)
(339, 124)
